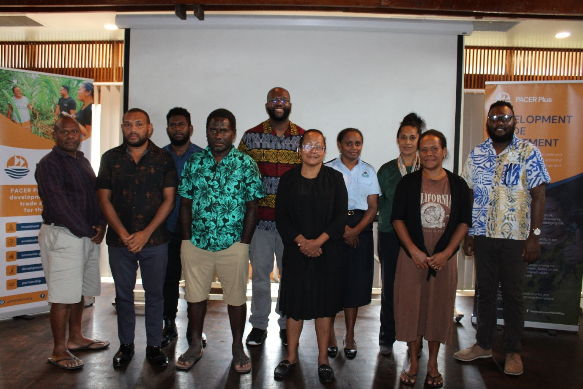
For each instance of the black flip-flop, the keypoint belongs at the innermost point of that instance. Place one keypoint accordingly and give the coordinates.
(240, 370)
(432, 378)
(184, 359)
(410, 377)
(88, 347)
(58, 364)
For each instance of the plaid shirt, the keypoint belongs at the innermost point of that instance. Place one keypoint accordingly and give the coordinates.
(66, 186)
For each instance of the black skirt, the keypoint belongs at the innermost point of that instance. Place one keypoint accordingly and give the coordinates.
(311, 294)
(358, 265)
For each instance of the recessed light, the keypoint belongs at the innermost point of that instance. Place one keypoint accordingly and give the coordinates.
(110, 27)
(564, 34)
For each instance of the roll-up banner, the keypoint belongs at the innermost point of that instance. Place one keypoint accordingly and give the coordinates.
(550, 115)
(28, 109)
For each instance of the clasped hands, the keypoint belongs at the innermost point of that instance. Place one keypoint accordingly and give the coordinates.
(437, 261)
(310, 248)
(136, 241)
(350, 237)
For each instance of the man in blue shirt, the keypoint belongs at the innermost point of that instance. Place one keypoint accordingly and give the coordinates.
(179, 130)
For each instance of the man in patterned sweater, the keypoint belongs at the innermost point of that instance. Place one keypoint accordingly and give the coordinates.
(273, 145)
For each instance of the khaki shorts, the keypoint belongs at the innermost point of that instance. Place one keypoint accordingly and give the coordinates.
(199, 267)
(70, 264)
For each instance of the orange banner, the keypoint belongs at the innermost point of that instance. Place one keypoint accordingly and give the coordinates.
(549, 116)
(25, 298)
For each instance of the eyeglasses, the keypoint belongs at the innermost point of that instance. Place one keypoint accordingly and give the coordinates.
(281, 100)
(503, 118)
(316, 148)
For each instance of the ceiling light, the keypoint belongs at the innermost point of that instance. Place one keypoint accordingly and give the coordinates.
(110, 27)
(563, 34)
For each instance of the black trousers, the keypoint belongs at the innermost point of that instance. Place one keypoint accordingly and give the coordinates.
(388, 253)
(173, 273)
(500, 261)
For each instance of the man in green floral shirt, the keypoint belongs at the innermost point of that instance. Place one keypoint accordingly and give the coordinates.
(220, 189)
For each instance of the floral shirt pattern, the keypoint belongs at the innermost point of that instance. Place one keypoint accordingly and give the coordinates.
(219, 192)
(501, 185)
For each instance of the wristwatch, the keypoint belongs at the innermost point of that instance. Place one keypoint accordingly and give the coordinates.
(535, 231)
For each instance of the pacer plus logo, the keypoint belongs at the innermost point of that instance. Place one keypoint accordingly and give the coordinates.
(504, 96)
(17, 167)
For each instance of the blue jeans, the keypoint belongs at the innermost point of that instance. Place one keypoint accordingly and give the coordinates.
(124, 265)
(500, 261)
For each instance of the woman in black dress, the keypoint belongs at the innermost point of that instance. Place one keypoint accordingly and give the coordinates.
(310, 214)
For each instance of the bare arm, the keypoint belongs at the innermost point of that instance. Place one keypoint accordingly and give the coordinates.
(110, 214)
(468, 245)
(185, 218)
(419, 257)
(531, 248)
(138, 239)
(249, 221)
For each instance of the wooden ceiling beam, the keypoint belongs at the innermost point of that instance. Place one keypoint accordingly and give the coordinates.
(564, 9)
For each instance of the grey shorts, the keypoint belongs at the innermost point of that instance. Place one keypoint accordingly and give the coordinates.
(70, 264)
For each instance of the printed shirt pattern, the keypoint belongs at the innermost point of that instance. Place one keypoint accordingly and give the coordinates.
(360, 182)
(219, 193)
(501, 185)
(274, 156)
(137, 189)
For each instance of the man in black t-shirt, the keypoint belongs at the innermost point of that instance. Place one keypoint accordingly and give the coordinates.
(66, 104)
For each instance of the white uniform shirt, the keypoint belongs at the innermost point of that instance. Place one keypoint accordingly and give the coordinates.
(360, 182)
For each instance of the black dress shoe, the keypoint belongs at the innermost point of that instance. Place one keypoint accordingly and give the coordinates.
(189, 338)
(332, 352)
(350, 352)
(283, 369)
(169, 333)
(156, 356)
(124, 355)
(325, 373)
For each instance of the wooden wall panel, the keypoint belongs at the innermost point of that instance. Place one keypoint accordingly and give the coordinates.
(520, 64)
(101, 61)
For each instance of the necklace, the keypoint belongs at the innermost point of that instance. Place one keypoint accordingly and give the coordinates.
(403, 169)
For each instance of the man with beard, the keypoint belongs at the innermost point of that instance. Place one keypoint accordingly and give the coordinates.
(220, 188)
(136, 188)
(179, 130)
(273, 145)
(507, 176)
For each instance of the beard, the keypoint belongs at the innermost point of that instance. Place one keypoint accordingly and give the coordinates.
(273, 116)
(179, 142)
(499, 138)
(138, 143)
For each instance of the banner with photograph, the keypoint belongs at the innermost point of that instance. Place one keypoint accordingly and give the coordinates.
(30, 102)
(550, 115)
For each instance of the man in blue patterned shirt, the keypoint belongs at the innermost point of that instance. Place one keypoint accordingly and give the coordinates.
(507, 176)
(220, 190)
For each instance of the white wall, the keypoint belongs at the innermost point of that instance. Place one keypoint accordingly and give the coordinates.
(337, 78)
